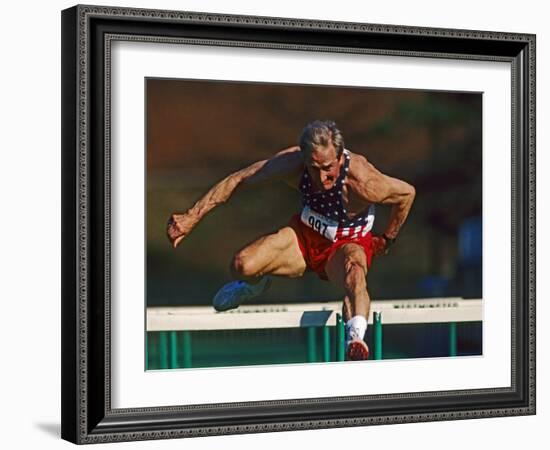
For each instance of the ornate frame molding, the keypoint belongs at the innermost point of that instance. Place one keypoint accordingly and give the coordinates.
(85, 421)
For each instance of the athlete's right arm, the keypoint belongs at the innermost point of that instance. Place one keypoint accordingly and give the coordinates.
(283, 166)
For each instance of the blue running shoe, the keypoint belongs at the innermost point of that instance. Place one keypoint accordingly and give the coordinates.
(231, 295)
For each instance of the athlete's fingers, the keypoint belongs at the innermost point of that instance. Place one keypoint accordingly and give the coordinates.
(175, 236)
(173, 230)
(179, 226)
(176, 241)
(379, 246)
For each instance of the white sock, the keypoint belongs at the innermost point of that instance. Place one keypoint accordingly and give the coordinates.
(356, 328)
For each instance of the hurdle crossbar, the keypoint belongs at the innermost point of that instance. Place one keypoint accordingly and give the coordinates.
(435, 310)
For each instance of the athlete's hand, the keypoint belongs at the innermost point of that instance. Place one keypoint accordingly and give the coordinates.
(379, 245)
(179, 226)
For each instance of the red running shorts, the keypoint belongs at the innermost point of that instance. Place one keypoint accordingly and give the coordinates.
(317, 250)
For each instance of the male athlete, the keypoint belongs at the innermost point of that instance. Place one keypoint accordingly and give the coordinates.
(332, 234)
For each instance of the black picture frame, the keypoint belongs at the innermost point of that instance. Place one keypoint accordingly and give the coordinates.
(87, 415)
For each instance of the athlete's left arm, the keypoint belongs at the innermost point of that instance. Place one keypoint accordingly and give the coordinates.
(375, 187)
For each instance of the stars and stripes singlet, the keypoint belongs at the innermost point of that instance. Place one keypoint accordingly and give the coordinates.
(325, 213)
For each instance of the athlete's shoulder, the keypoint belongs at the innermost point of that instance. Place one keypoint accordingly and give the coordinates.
(359, 167)
(289, 164)
(289, 158)
(294, 150)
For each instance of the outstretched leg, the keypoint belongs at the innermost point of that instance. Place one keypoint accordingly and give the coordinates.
(274, 254)
(347, 309)
(347, 268)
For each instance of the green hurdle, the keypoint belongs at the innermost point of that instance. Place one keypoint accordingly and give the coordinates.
(340, 338)
(377, 318)
(163, 350)
(174, 349)
(174, 336)
(326, 344)
(325, 333)
(187, 362)
(311, 344)
(453, 339)
(171, 346)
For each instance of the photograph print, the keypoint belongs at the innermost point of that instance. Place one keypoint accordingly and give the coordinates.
(291, 223)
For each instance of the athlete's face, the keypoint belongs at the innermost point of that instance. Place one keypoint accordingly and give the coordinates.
(323, 167)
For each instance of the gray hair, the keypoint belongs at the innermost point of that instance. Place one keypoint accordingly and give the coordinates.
(319, 134)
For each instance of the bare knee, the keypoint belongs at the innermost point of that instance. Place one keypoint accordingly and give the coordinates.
(242, 266)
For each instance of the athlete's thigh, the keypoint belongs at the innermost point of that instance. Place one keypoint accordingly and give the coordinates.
(276, 253)
(338, 264)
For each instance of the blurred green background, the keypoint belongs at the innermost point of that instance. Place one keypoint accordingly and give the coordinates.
(200, 131)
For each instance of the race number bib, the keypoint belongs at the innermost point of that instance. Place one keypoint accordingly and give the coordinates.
(324, 226)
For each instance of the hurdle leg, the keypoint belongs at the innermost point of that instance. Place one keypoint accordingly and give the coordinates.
(453, 339)
(173, 350)
(187, 362)
(340, 338)
(326, 343)
(146, 350)
(163, 350)
(377, 335)
(311, 345)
